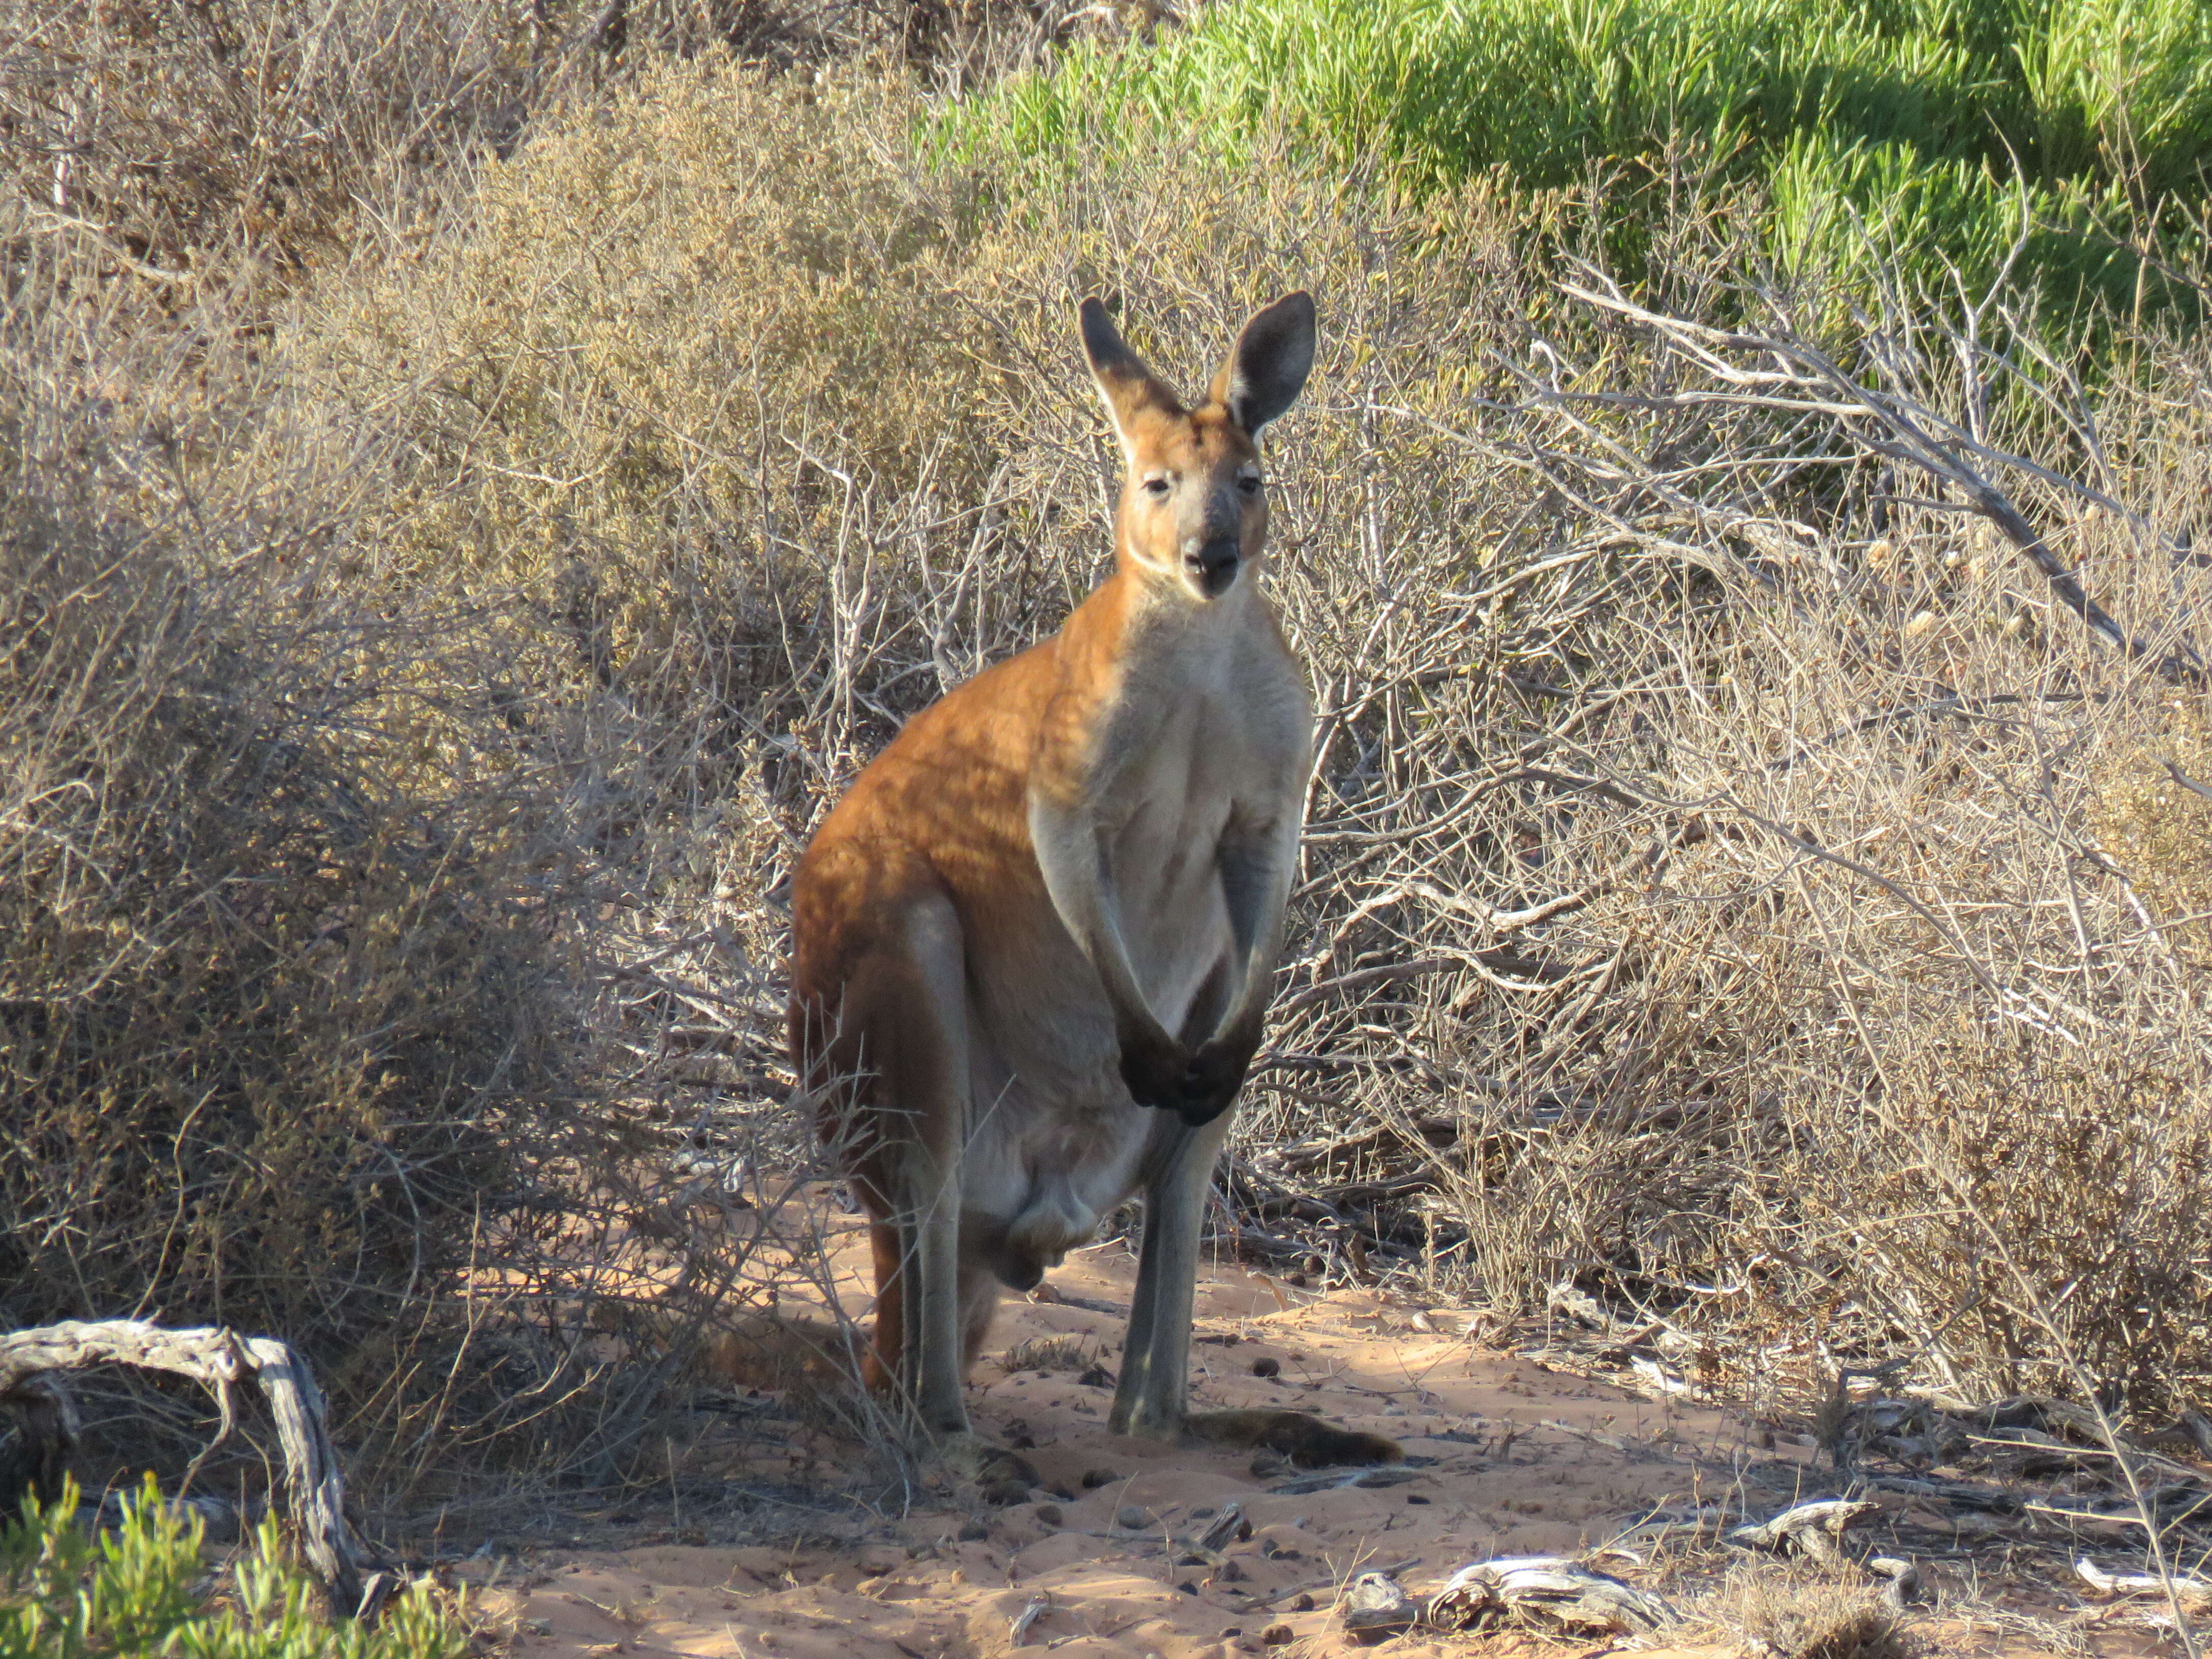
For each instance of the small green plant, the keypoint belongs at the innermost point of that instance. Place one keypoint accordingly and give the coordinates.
(142, 1589)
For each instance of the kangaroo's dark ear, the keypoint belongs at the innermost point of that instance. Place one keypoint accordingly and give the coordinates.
(1267, 367)
(1129, 388)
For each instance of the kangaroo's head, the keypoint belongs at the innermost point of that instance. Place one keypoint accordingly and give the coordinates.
(1194, 512)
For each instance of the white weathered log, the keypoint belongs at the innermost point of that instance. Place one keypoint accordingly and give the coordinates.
(1375, 1605)
(1017, 1633)
(220, 1360)
(1816, 1530)
(1224, 1529)
(1550, 1591)
(1905, 1583)
(2184, 1585)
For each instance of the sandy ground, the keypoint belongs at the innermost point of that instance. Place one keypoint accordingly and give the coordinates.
(1504, 1456)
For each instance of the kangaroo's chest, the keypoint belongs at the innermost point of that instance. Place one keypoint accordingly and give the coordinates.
(1200, 752)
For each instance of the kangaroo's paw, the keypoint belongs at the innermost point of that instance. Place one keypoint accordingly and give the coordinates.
(1306, 1441)
(1001, 1477)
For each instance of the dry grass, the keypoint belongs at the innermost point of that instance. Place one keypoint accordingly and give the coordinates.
(436, 686)
(1802, 1614)
(1048, 1353)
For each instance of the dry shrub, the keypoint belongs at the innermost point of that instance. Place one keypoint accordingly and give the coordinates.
(304, 1024)
(1048, 1353)
(255, 137)
(256, 988)
(2044, 1204)
(187, 142)
(644, 382)
(279, 946)
(1797, 1614)
(1573, 989)
(2155, 825)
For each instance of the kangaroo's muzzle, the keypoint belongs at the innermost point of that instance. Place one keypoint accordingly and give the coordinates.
(1212, 565)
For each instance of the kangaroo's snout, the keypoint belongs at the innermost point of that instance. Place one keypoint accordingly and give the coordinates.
(1213, 562)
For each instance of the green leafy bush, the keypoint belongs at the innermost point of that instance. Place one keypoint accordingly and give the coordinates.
(140, 1590)
(1921, 126)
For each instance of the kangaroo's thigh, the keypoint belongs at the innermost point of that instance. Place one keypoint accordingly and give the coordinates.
(903, 1033)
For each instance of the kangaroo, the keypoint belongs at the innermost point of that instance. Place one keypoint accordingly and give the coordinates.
(1035, 941)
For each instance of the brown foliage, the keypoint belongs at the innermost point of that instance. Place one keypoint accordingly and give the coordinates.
(274, 961)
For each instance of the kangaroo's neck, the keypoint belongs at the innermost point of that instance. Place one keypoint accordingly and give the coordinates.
(1154, 630)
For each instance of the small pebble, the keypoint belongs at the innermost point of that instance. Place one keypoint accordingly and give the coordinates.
(1266, 1365)
(1130, 1518)
(1303, 1604)
(975, 1532)
(1275, 1635)
(1050, 1515)
(1094, 1479)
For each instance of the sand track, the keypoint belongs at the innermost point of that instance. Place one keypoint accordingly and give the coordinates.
(1505, 1456)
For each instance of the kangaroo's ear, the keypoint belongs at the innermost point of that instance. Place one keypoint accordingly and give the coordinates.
(1267, 367)
(1129, 387)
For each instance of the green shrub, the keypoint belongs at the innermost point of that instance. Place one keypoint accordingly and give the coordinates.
(1924, 125)
(139, 1590)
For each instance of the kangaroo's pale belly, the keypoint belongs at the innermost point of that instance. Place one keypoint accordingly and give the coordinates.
(1054, 1141)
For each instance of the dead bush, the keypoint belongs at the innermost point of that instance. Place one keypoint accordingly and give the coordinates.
(238, 140)
(181, 143)
(675, 394)
(2042, 1203)
(272, 974)
(304, 1025)
(1683, 784)
(1802, 1614)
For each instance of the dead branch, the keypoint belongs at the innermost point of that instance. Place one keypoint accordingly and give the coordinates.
(1806, 380)
(1551, 1592)
(1813, 1529)
(219, 1361)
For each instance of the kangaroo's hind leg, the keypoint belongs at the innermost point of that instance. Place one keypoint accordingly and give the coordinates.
(1153, 1397)
(908, 1007)
(1150, 1397)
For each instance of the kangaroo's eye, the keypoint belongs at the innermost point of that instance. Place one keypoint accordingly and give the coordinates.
(1249, 484)
(1157, 488)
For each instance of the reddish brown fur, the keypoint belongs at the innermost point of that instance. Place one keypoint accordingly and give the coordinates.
(1034, 938)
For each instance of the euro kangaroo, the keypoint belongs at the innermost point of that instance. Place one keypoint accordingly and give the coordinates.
(1034, 940)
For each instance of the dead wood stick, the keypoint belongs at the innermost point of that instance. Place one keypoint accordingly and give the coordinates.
(219, 1361)
(1916, 436)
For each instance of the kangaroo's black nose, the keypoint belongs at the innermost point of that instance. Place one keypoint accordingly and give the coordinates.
(1214, 564)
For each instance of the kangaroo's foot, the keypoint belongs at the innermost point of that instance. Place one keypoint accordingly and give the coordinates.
(998, 1476)
(1306, 1441)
